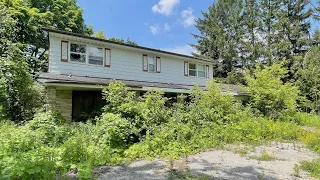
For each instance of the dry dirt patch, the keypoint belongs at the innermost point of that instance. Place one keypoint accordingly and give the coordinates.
(221, 164)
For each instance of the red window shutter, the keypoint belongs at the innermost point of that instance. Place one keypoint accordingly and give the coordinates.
(186, 68)
(107, 57)
(158, 64)
(64, 51)
(207, 71)
(145, 62)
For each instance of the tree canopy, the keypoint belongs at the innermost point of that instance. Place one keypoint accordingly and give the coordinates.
(242, 33)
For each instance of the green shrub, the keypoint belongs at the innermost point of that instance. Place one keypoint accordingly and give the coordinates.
(114, 130)
(312, 139)
(307, 119)
(130, 127)
(269, 94)
(25, 155)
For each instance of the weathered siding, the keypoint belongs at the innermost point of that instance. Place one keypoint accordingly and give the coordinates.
(125, 64)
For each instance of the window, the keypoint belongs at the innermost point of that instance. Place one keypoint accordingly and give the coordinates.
(197, 70)
(78, 53)
(151, 64)
(85, 54)
(201, 70)
(192, 69)
(95, 56)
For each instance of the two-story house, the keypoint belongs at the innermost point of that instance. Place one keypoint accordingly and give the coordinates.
(79, 66)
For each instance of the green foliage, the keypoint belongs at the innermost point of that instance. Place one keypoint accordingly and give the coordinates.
(120, 40)
(308, 80)
(133, 127)
(313, 167)
(312, 140)
(100, 34)
(307, 119)
(241, 34)
(30, 15)
(210, 119)
(19, 95)
(220, 35)
(269, 95)
(265, 156)
(235, 77)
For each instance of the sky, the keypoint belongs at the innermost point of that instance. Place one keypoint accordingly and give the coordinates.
(159, 24)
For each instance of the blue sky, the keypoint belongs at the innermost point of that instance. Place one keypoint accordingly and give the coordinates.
(160, 24)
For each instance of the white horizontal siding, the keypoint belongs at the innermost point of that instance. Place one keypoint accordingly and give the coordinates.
(125, 64)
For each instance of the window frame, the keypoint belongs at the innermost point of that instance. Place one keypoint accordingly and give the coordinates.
(192, 69)
(86, 54)
(79, 53)
(197, 70)
(156, 63)
(103, 55)
(204, 70)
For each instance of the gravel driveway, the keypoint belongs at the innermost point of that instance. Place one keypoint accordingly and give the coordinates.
(237, 162)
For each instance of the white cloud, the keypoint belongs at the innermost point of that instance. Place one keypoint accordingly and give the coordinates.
(166, 27)
(165, 6)
(184, 49)
(188, 19)
(156, 29)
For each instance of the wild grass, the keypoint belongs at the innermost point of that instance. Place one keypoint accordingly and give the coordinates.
(265, 156)
(313, 167)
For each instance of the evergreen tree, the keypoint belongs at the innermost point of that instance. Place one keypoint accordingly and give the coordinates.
(316, 38)
(268, 12)
(251, 40)
(316, 10)
(220, 35)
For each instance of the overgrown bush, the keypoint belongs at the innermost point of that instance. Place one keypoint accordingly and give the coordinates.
(20, 96)
(269, 95)
(210, 119)
(138, 127)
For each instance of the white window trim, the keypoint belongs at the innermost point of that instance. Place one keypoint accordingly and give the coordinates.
(197, 69)
(87, 54)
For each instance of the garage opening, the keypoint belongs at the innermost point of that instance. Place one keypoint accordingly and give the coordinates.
(86, 104)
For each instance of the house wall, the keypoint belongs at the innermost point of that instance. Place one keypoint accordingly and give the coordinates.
(125, 64)
(61, 101)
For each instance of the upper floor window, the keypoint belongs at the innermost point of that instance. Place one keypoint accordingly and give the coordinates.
(95, 55)
(78, 53)
(151, 63)
(85, 54)
(197, 70)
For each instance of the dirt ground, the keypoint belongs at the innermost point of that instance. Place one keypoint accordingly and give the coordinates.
(273, 161)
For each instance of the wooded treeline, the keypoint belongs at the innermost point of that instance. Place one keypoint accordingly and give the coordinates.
(239, 34)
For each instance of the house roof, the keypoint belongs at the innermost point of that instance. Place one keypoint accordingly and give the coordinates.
(52, 78)
(122, 44)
